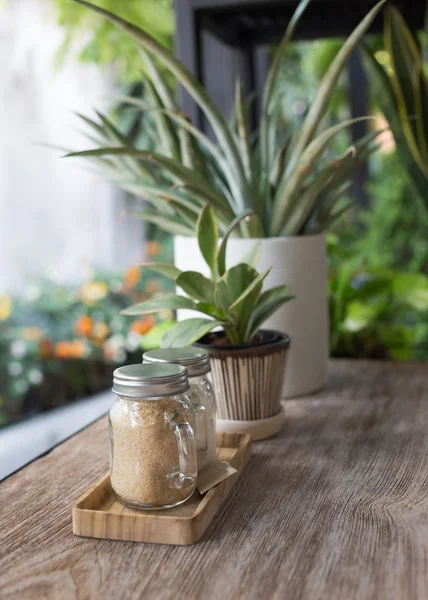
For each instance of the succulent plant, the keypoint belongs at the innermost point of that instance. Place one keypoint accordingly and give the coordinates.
(291, 184)
(232, 299)
(401, 89)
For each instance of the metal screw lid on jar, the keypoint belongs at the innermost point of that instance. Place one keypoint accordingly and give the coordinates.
(150, 381)
(196, 360)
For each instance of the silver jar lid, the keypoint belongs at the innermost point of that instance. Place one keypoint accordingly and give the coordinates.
(196, 360)
(150, 381)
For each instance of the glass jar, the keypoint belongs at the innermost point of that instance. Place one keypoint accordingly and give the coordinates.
(201, 395)
(152, 445)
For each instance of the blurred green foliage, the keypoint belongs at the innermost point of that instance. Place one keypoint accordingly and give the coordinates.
(303, 66)
(104, 43)
(395, 227)
(376, 312)
(378, 258)
(378, 272)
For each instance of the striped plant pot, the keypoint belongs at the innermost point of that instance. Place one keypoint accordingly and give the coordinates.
(248, 383)
(299, 262)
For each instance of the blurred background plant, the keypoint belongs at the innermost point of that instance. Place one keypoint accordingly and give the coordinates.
(60, 343)
(379, 245)
(376, 312)
(105, 44)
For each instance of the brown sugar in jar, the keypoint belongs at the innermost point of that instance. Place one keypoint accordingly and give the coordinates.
(153, 451)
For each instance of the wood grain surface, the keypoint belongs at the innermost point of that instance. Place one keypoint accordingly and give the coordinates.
(99, 514)
(335, 507)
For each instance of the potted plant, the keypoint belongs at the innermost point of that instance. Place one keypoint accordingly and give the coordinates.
(248, 363)
(293, 185)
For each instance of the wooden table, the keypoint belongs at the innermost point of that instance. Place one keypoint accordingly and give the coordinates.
(335, 507)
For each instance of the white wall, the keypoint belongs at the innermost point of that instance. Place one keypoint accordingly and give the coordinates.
(56, 218)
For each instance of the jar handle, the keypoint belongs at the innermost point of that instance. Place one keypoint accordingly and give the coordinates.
(186, 455)
(201, 427)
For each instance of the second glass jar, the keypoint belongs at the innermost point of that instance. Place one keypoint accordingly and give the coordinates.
(201, 396)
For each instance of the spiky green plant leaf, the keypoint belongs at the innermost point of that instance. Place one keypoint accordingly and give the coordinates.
(407, 72)
(241, 172)
(169, 224)
(328, 84)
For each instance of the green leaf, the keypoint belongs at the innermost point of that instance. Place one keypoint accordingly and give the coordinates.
(305, 204)
(221, 255)
(152, 339)
(278, 165)
(196, 286)
(267, 305)
(188, 332)
(160, 204)
(283, 205)
(165, 195)
(207, 234)
(361, 315)
(406, 81)
(159, 82)
(168, 224)
(237, 305)
(213, 151)
(178, 172)
(159, 303)
(233, 284)
(212, 311)
(268, 92)
(115, 137)
(164, 269)
(411, 289)
(243, 307)
(243, 130)
(329, 83)
(167, 135)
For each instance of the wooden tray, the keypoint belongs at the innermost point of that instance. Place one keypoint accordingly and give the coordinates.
(99, 514)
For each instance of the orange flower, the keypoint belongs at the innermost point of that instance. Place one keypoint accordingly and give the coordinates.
(84, 326)
(77, 349)
(143, 325)
(132, 276)
(153, 248)
(62, 350)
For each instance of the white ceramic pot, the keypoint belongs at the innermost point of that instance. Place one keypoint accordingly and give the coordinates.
(299, 262)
